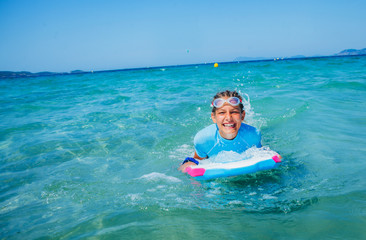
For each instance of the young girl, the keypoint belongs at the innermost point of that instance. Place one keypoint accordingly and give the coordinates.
(227, 134)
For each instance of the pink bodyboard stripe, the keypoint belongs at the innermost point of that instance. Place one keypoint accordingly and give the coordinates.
(195, 172)
(276, 158)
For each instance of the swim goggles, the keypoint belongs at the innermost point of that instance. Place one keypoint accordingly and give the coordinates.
(219, 102)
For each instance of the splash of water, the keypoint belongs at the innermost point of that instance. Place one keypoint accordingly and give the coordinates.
(252, 153)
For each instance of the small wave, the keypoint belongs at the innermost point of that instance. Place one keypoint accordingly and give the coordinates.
(181, 152)
(155, 176)
(345, 85)
(235, 202)
(116, 100)
(268, 199)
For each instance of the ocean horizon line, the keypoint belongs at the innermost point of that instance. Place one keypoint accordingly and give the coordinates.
(27, 74)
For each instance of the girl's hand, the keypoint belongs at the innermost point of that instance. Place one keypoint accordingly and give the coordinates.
(183, 167)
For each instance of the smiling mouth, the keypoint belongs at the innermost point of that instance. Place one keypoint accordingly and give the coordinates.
(231, 125)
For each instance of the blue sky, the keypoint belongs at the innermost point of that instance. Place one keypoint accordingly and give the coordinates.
(61, 36)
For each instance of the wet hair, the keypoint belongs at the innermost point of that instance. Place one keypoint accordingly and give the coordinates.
(227, 94)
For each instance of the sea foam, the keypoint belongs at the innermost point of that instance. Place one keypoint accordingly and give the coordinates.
(155, 176)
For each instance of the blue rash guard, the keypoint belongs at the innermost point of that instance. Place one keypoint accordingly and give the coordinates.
(208, 142)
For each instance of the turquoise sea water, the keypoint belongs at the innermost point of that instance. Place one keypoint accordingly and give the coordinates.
(96, 155)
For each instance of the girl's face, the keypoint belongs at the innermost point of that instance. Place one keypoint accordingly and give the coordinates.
(228, 119)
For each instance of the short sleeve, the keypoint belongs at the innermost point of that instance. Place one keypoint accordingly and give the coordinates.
(199, 146)
(205, 140)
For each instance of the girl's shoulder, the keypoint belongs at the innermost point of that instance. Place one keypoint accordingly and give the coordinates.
(249, 131)
(206, 133)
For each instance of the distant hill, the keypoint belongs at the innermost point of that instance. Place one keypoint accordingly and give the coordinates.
(298, 56)
(239, 59)
(351, 52)
(9, 74)
(243, 59)
(347, 52)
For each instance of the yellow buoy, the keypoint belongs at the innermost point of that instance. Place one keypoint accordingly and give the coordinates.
(216, 65)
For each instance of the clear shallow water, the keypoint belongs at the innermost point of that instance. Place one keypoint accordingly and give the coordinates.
(96, 155)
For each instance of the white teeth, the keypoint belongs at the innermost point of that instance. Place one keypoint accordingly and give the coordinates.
(229, 125)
